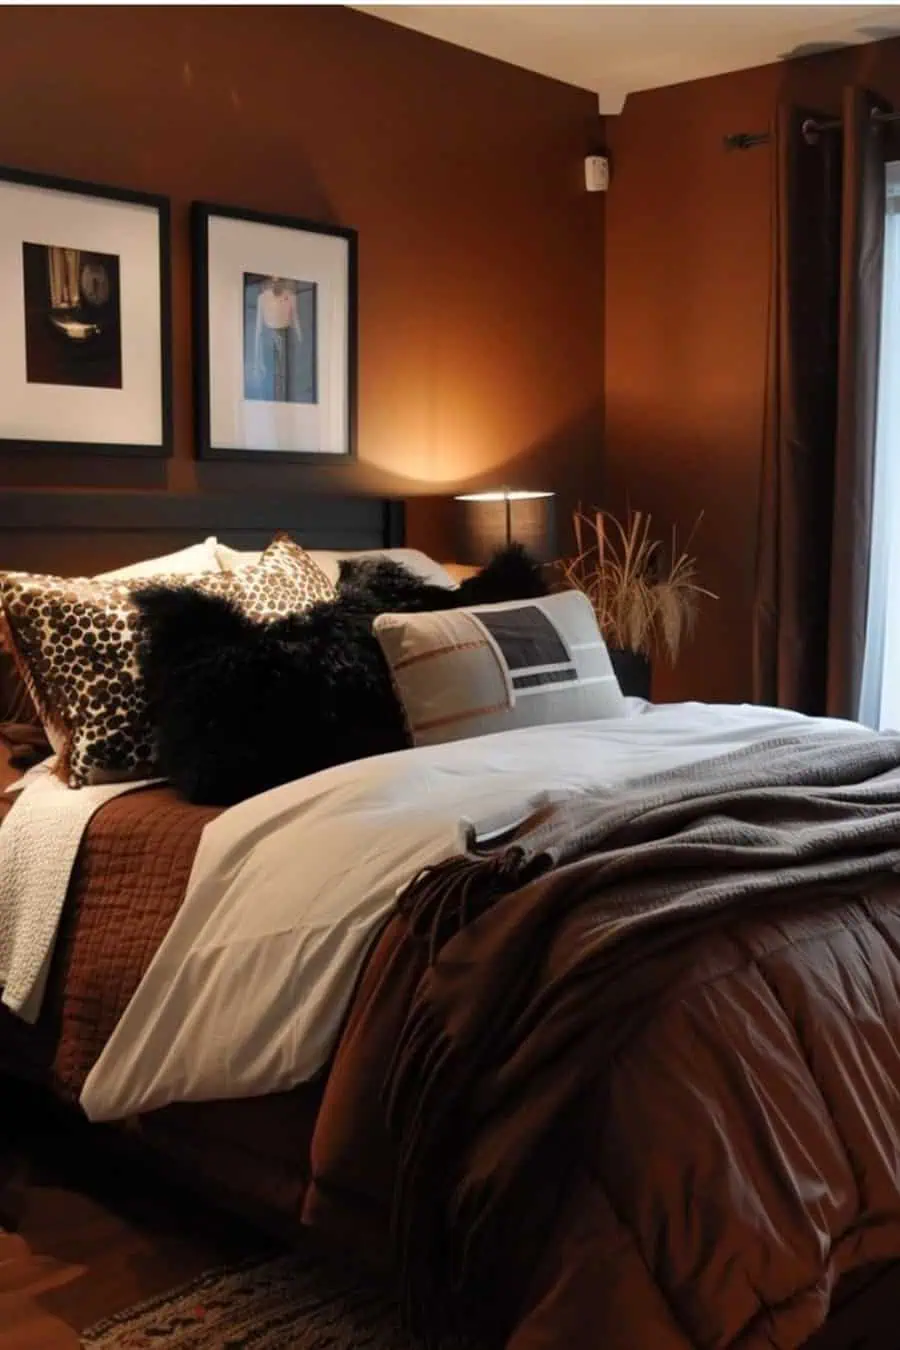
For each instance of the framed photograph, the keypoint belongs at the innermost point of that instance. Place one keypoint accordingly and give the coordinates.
(84, 323)
(275, 337)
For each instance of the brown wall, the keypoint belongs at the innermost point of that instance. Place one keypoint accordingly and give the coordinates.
(482, 259)
(687, 258)
(481, 255)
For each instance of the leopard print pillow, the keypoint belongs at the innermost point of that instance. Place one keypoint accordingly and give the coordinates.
(76, 643)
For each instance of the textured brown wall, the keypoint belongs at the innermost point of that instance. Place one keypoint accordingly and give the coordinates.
(481, 255)
(687, 260)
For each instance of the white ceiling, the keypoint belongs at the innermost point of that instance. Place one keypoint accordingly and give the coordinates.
(615, 50)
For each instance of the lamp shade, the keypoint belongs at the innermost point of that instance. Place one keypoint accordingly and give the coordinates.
(488, 521)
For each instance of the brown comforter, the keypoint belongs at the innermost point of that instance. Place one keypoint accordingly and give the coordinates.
(678, 1139)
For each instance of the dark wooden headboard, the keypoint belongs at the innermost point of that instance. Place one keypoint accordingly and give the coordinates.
(80, 533)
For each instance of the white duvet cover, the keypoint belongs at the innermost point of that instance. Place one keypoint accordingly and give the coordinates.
(248, 990)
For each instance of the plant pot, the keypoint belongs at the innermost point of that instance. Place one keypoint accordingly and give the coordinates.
(633, 671)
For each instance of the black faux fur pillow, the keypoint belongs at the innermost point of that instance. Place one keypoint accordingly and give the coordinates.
(240, 707)
(512, 574)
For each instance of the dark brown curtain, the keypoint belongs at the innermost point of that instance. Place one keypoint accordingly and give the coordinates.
(818, 451)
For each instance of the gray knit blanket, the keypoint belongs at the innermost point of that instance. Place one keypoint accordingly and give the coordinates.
(781, 813)
(797, 811)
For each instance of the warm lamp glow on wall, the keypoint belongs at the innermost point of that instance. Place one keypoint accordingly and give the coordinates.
(488, 521)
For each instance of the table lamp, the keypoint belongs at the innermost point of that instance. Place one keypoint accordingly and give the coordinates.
(488, 521)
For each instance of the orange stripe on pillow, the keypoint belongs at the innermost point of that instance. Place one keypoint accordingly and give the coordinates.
(440, 651)
(464, 716)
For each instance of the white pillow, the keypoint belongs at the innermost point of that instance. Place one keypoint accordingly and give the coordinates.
(232, 560)
(525, 663)
(195, 558)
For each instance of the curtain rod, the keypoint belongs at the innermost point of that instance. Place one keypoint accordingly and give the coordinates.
(748, 140)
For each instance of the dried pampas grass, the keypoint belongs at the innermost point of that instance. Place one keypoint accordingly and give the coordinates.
(646, 599)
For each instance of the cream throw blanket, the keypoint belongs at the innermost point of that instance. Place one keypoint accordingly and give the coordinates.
(39, 842)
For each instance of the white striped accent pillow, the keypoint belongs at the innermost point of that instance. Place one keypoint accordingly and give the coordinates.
(470, 672)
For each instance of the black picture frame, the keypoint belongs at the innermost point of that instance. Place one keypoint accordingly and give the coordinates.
(19, 445)
(207, 449)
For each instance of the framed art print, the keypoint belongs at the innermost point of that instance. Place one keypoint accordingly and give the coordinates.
(275, 336)
(84, 319)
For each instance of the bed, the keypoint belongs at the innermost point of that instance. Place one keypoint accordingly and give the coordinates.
(730, 1178)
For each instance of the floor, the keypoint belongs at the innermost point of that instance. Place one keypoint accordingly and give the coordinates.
(81, 1243)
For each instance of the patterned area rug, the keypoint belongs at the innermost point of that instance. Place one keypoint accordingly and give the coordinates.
(289, 1303)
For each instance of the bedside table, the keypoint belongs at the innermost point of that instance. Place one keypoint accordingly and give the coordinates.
(459, 571)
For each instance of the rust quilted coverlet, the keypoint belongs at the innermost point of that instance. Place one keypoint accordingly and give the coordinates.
(128, 884)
